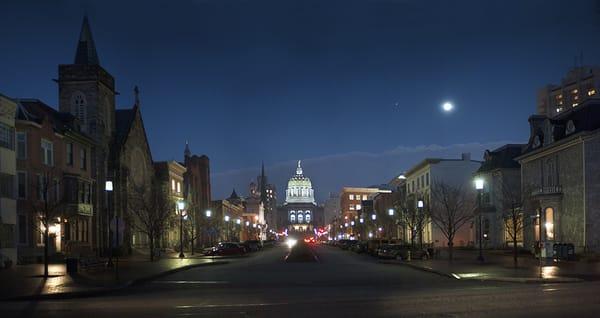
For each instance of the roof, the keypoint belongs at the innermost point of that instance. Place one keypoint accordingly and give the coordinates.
(546, 132)
(502, 158)
(86, 49)
(429, 161)
(35, 110)
(123, 120)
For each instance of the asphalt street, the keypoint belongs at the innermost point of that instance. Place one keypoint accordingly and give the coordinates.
(341, 284)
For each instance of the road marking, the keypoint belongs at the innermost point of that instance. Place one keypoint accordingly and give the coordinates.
(190, 282)
(230, 305)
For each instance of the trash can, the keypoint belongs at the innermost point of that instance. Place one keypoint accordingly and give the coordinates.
(570, 251)
(71, 265)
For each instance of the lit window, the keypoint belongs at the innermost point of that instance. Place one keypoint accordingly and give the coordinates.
(351, 207)
(575, 104)
(575, 91)
(300, 217)
(549, 225)
(576, 97)
(358, 207)
(364, 197)
(172, 184)
(559, 96)
(351, 197)
(178, 187)
(591, 92)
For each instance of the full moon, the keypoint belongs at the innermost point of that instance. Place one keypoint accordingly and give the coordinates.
(447, 107)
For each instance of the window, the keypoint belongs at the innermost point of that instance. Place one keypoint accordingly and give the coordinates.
(591, 92)
(172, 184)
(83, 155)
(351, 197)
(575, 104)
(364, 197)
(69, 154)
(178, 187)
(21, 145)
(351, 207)
(307, 217)
(6, 136)
(292, 217)
(56, 190)
(575, 91)
(427, 179)
(47, 152)
(78, 107)
(22, 185)
(300, 218)
(41, 187)
(7, 186)
(358, 207)
(549, 225)
(22, 229)
(423, 180)
(418, 183)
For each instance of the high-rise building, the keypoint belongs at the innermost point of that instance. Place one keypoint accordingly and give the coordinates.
(579, 84)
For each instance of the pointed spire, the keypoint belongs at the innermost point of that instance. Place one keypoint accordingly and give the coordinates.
(86, 49)
(234, 195)
(187, 152)
(299, 168)
(136, 93)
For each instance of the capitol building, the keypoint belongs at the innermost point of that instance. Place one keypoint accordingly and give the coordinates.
(300, 212)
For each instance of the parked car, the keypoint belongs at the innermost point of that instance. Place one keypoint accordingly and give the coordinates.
(374, 245)
(360, 247)
(226, 249)
(252, 245)
(400, 252)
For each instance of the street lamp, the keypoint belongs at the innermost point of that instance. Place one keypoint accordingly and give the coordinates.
(361, 220)
(391, 212)
(208, 213)
(108, 187)
(180, 207)
(479, 187)
(373, 216)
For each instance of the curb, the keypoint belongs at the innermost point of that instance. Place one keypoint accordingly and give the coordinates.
(523, 280)
(107, 290)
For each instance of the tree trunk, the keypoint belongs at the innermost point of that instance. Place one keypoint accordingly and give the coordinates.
(151, 239)
(515, 253)
(450, 249)
(46, 245)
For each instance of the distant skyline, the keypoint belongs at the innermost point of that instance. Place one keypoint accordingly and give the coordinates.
(353, 88)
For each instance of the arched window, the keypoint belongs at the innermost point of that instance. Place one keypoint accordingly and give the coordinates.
(307, 216)
(79, 107)
(300, 218)
(293, 216)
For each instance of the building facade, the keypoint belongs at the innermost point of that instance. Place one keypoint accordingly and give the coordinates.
(420, 180)
(228, 222)
(54, 180)
(501, 176)
(579, 84)
(561, 168)
(197, 192)
(170, 175)
(8, 172)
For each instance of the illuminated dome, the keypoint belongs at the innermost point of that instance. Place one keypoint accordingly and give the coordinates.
(299, 189)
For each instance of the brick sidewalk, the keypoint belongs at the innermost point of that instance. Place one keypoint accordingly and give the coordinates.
(25, 281)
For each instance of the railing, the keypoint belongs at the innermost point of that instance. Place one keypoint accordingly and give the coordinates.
(547, 190)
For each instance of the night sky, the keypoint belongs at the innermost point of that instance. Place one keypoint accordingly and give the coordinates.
(353, 88)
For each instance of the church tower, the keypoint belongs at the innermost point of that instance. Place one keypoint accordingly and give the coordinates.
(87, 91)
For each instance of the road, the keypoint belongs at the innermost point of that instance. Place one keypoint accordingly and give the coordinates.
(341, 284)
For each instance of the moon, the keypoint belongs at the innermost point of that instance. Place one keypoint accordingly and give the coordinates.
(447, 107)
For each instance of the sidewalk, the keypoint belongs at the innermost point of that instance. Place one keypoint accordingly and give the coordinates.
(25, 281)
(498, 266)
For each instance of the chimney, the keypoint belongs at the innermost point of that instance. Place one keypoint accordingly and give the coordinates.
(466, 156)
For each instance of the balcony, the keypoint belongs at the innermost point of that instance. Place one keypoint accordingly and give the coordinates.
(551, 190)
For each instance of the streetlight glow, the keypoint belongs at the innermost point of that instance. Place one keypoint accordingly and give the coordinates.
(108, 186)
(227, 218)
(180, 205)
(391, 212)
(479, 184)
(420, 204)
(374, 217)
(208, 213)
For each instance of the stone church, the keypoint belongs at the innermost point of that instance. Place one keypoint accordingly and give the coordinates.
(121, 154)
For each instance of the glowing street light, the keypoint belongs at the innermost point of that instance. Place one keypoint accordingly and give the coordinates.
(479, 187)
(180, 207)
(391, 212)
(208, 213)
(373, 217)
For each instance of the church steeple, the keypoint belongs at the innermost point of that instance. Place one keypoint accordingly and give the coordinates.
(263, 185)
(86, 49)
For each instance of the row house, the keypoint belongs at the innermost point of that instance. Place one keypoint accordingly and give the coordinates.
(170, 175)
(54, 177)
(8, 204)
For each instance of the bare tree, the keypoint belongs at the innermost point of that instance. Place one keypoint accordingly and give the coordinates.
(152, 208)
(48, 206)
(451, 208)
(513, 201)
(411, 217)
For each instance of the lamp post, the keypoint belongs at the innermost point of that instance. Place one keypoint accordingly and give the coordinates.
(208, 214)
(226, 218)
(180, 207)
(479, 187)
(420, 206)
(108, 187)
